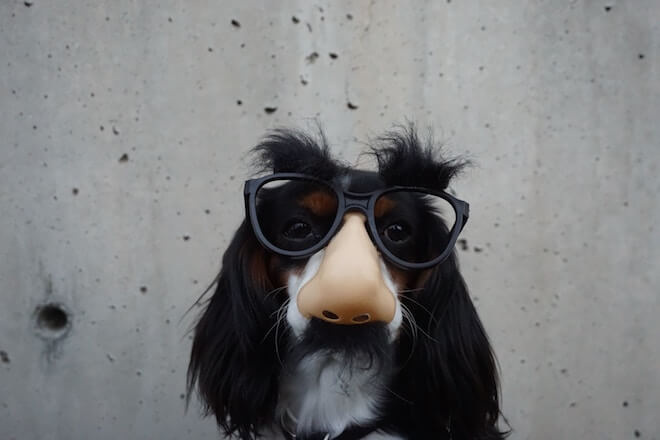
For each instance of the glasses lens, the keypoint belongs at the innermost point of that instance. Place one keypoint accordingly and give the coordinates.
(415, 226)
(295, 214)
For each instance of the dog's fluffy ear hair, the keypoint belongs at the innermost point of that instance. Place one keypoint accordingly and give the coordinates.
(292, 151)
(449, 371)
(233, 362)
(404, 159)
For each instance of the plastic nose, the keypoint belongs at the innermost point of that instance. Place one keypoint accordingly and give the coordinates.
(348, 287)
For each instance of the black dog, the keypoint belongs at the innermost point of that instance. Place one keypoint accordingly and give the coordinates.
(340, 312)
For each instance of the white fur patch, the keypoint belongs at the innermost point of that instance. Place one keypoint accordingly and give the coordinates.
(322, 393)
(274, 434)
(325, 395)
(295, 319)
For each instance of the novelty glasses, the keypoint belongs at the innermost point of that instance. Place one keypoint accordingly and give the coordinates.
(296, 215)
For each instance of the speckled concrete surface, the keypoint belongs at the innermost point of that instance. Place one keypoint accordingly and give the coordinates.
(123, 132)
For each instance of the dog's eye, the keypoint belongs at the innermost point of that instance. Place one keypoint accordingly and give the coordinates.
(297, 230)
(397, 232)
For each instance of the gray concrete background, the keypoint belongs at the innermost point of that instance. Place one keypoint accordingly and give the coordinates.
(123, 130)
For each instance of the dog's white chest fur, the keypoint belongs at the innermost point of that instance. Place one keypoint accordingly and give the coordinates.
(325, 394)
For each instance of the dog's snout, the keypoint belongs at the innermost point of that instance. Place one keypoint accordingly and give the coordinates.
(349, 287)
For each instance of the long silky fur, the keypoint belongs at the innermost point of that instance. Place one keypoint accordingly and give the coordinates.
(233, 362)
(446, 376)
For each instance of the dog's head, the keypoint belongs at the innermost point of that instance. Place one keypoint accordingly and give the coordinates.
(343, 282)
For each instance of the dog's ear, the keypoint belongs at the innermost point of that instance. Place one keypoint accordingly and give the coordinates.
(449, 369)
(448, 377)
(233, 362)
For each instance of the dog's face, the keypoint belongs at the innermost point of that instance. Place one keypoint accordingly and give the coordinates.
(348, 281)
(332, 303)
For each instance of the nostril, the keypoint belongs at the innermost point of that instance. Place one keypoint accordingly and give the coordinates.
(361, 318)
(331, 316)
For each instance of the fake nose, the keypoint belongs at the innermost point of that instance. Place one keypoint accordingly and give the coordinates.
(348, 287)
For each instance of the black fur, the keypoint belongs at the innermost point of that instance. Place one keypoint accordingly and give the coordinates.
(233, 360)
(448, 376)
(403, 159)
(363, 346)
(445, 376)
(291, 151)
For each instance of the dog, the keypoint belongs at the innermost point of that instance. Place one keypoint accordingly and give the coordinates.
(339, 311)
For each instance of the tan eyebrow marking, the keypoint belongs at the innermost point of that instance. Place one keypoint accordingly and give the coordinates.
(383, 206)
(320, 203)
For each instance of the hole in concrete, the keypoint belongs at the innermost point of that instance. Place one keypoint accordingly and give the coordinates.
(52, 318)
(463, 243)
(52, 323)
(328, 314)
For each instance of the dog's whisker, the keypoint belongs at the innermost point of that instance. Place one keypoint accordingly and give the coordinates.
(280, 312)
(275, 290)
(280, 317)
(408, 316)
(422, 306)
(280, 308)
(418, 328)
(425, 333)
(398, 396)
(277, 321)
(277, 339)
(406, 329)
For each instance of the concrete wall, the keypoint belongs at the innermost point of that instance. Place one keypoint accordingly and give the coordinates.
(123, 129)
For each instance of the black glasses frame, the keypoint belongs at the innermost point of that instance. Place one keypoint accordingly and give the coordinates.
(350, 201)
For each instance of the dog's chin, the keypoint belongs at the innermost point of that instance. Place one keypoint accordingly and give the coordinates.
(365, 346)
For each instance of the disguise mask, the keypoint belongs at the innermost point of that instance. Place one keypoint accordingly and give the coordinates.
(296, 216)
